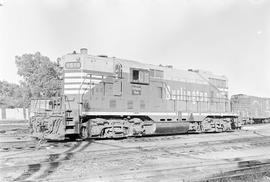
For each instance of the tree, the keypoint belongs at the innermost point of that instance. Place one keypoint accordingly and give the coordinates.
(41, 76)
(10, 95)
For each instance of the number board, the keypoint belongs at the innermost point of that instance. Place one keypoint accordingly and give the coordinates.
(136, 90)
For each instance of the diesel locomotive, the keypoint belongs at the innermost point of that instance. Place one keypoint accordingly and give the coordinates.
(108, 97)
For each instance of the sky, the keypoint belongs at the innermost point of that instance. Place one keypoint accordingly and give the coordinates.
(226, 37)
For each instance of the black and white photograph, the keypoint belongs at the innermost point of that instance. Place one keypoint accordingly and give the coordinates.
(135, 90)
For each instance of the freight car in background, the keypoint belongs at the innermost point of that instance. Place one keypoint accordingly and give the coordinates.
(109, 97)
(252, 109)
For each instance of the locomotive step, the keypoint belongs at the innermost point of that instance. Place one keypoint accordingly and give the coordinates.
(70, 131)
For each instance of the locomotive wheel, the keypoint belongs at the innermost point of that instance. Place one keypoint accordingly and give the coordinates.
(202, 129)
(107, 133)
(222, 128)
(83, 132)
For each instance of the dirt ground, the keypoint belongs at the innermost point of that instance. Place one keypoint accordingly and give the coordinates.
(192, 157)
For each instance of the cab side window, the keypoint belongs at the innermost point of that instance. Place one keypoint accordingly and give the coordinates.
(139, 76)
(135, 75)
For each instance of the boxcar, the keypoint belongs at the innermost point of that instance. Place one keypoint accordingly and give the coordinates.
(251, 108)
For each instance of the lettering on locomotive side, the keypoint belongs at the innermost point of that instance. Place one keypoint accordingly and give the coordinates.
(184, 94)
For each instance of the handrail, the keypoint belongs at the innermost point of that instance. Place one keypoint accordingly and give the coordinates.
(82, 95)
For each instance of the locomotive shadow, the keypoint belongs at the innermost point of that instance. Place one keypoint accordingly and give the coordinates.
(54, 162)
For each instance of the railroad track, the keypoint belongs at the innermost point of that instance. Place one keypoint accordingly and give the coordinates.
(255, 141)
(133, 149)
(171, 173)
(53, 160)
(27, 145)
(67, 158)
(17, 145)
(30, 145)
(262, 169)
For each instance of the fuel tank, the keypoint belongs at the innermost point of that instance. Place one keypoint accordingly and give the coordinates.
(171, 127)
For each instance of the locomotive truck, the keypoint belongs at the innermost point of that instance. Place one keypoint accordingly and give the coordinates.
(108, 97)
